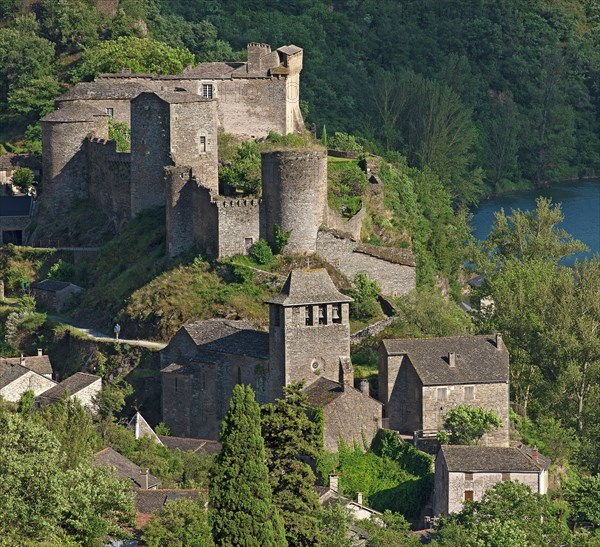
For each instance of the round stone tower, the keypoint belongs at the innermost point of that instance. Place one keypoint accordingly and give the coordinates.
(294, 189)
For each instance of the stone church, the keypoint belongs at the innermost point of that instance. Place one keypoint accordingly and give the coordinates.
(308, 340)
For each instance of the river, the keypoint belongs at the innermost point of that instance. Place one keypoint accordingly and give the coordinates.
(580, 206)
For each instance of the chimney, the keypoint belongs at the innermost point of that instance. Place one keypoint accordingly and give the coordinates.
(359, 498)
(364, 387)
(40, 352)
(144, 473)
(452, 359)
(499, 342)
(22, 359)
(535, 454)
(346, 373)
(333, 482)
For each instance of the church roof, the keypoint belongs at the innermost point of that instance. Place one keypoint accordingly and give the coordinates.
(226, 336)
(478, 360)
(491, 459)
(304, 287)
(323, 391)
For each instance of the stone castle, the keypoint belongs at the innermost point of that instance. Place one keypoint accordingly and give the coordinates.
(175, 122)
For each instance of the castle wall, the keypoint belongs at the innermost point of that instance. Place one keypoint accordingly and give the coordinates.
(394, 279)
(109, 176)
(64, 161)
(294, 187)
(206, 222)
(121, 108)
(150, 151)
(193, 138)
(239, 225)
(179, 188)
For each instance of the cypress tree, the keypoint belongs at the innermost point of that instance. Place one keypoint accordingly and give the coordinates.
(240, 494)
(293, 433)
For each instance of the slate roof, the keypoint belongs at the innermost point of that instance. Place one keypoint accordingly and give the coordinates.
(304, 287)
(74, 384)
(9, 372)
(290, 50)
(191, 445)
(177, 97)
(149, 502)
(404, 257)
(40, 364)
(51, 285)
(73, 112)
(478, 361)
(8, 162)
(15, 206)
(493, 459)
(226, 336)
(103, 90)
(323, 392)
(124, 468)
(212, 70)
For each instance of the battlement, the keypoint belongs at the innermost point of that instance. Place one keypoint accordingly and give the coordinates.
(106, 150)
(242, 202)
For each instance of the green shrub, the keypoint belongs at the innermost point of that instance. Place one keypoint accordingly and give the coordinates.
(280, 239)
(365, 291)
(121, 134)
(261, 252)
(23, 179)
(345, 143)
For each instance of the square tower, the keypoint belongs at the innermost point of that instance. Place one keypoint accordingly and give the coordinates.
(309, 329)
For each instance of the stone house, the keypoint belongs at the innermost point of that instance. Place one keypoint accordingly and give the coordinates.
(15, 217)
(420, 380)
(16, 379)
(9, 163)
(308, 341)
(81, 386)
(466, 472)
(39, 363)
(54, 295)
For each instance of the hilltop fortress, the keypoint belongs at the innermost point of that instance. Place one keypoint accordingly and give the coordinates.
(175, 122)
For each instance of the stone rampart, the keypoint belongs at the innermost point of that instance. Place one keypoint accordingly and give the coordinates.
(239, 224)
(349, 227)
(109, 179)
(179, 190)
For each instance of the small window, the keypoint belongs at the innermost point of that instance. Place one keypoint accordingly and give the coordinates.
(336, 313)
(469, 393)
(308, 315)
(505, 476)
(110, 112)
(239, 375)
(468, 476)
(202, 145)
(442, 393)
(175, 383)
(248, 241)
(322, 315)
(468, 495)
(207, 91)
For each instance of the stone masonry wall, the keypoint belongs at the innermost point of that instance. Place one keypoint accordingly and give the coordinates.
(179, 189)
(206, 222)
(487, 396)
(109, 179)
(349, 417)
(150, 151)
(394, 279)
(239, 225)
(121, 107)
(294, 189)
(88, 394)
(349, 227)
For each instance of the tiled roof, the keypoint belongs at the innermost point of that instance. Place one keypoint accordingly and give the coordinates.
(124, 468)
(14, 161)
(9, 372)
(51, 285)
(15, 206)
(149, 502)
(478, 360)
(74, 384)
(73, 112)
(191, 445)
(212, 70)
(103, 90)
(305, 287)
(323, 391)
(38, 363)
(290, 50)
(490, 459)
(225, 336)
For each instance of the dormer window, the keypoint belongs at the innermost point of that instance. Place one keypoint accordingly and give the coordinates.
(207, 91)
(336, 313)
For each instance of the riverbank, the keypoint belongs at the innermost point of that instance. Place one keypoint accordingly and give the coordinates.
(525, 186)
